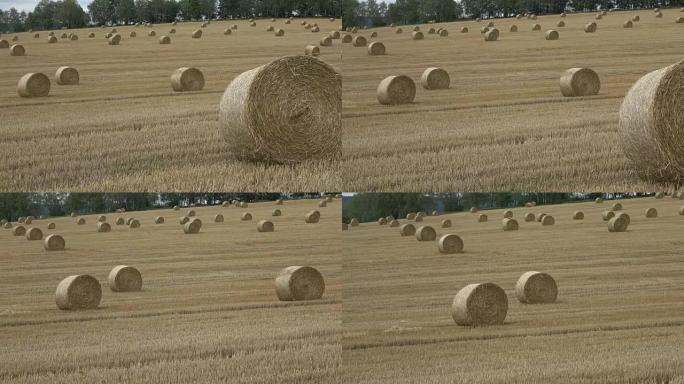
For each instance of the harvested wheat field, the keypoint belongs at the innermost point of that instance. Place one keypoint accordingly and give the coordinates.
(124, 128)
(503, 124)
(208, 307)
(617, 317)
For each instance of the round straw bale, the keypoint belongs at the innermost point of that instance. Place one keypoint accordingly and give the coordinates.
(346, 38)
(484, 29)
(261, 120)
(398, 31)
(651, 124)
(265, 226)
(131, 35)
(548, 220)
(316, 29)
(21, 220)
(242, 204)
(192, 226)
(28, 220)
(73, 37)
(33, 85)
(536, 27)
(607, 215)
(560, 24)
(446, 223)
(36, 35)
(474, 209)
(395, 90)
(51, 40)
(246, 216)
(34, 233)
(153, 33)
(312, 217)
(651, 213)
(54, 242)
(659, 195)
(376, 48)
(183, 220)
(279, 32)
(80, 221)
(599, 16)
(359, 41)
(187, 79)
(659, 14)
(297, 283)
(509, 224)
(579, 82)
(410, 216)
(67, 76)
(115, 39)
(551, 34)
(7, 225)
(354, 222)
(617, 224)
(325, 41)
(19, 230)
(417, 35)
(393, 223)
(407, 230)
(276, 212)
(418, 218)
(514, 28)
(172, 31)
(196, 34)
(480, 304)
(78, 292)
(450, 244)
(636, 18)
(382, 221)
(482, 218)
(120, 221)
(374, 35)
(530, 217)
(533, 17)
(218, 218)
(492, 35)
(590, 28)
(426, 233)
(616, 207)
(64, 35)
(598, 200)
(435, 78)
(104, 227)
(134, 223)
(51, 226)
(91, 35)
(490, 24)
(679, 20)
(312, 50)
(252, 24)
(578, 215)
(164, 40)
(322, 203)
(464, 29)
(159, 220)
(443, 33)
(101, 218)
(4, 43)
(625, 216)
(536, 288)
(227, 31)
(17, 50)
(627, 24)
(508, 214)
(334, 35)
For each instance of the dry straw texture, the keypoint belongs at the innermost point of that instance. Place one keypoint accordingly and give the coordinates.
(33, 85)
(617, 224)
(548, 220)
(607, 215)
(394, 223)
(417, 35)
(627, 24)
(17, 50)
(382, 221)
(286, 111)
(578, 215)
(446, 223)
(435, 78)
(536, 288)
(246, 216)
(312, 217)
(651, 124)
(395, 90)
(187, 79)
(480, 304)
(159, 220)
(54, 242)
(426, 233)
(123, 278)
(590, 28)
(114, 39)
(312, 50)
(104, 227)
(450, 244)
(325, 41)
(67, 76)
(164, 40)
(508, 214)
(579, 82)
(492, 35)
(482, 218)
(34, 234)
(407, 230)
(376, 48)
(51, 226)
(359, 41)
(276, 212)
(218, 218)
(616, 207)
(297, 283)
(509, 224)
(651, 213)
(78, 292)
(265, 226)
(551, 34)
(81, 221)
(197, 34)
(192, 226)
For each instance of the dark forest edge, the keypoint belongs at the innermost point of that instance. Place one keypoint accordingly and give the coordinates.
(371, 13)
(49, 14)
(367, 207)
(15, 205)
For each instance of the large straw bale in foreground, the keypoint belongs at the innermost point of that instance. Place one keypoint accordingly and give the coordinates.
(78, 292)
(395, 90)
(480, 304)
(450, 244)
(297, 283)
(286, 111)
(33, 85)
(54, 242)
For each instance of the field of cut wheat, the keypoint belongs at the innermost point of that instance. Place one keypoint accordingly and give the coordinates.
(123, 128)
(503, 124)
(208, 307)
(618, 316)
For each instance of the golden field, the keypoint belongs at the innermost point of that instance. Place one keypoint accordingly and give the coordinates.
(124, 129)
(618, 317)
(208, 307)
(503, 125)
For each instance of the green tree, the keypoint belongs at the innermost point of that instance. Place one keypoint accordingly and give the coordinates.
(101, 11)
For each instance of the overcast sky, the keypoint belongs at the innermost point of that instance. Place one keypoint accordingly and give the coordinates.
(28, 5)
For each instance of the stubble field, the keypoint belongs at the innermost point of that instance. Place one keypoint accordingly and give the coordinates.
(124, 129)
(618, 317)
(208, 307)
(503, 125)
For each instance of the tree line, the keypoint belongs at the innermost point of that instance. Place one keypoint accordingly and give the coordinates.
(15, 205)
(56, 14)
(367, 207)
(373, 14)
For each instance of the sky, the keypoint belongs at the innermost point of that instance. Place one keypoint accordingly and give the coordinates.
(28, 5)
